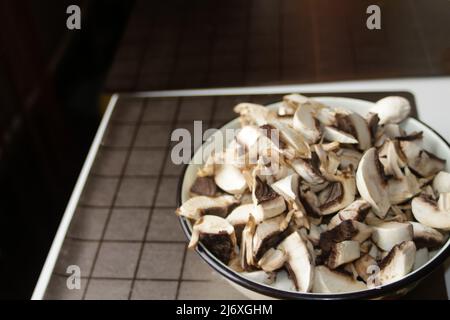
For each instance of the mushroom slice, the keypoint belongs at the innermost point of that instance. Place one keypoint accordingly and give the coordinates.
(253, 113)
(338, 194)
(358, 211)
(217, 235)
(293, 139)
(267, 202)
(403, 189)
(422, 257)
(204, 186)
(230, 179)
(371, 183)
(248, 136)
(431, 213)
(398, 263)
(329, 281)
(441, 183)
(393, 131)
(355, 125)
(333, 134)
(306, 124)
(272, 260)
(287, 187)
(269, 234)
(299, 262)
(307, 171)
(342, 253)
(392, 109)
(386, 235)
(364, 266)
(240, 216)
(392, 159)
(246, 252)
(426, 237)
(196, 207)
(348, 157)
(347, 230)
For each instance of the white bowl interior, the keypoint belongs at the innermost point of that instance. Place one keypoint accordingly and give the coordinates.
(432, 143)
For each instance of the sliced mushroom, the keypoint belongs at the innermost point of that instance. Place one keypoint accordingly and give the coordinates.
(307, 171)
(267, 202)
(306, 124)
(431, 213)
(196, 207)
(338, 194)
(246, 252)
(217, 235)
(392, 159)
(269, 234)
(253, 113)
(355, 125)
(333, 134)
(204, 186)
(290, 104)
(293, 139)
(358, 211)
(272, 260)
(230, 179)
(371, 183)
(441, 183)
(392, 109)
(348, 157)
(389, 234)
(240, 216)
(342, 253)
(328, 281)
(393, 131)
(299, 262)
(426, 237)
(364, 266)
(398, 263)
(404, 188)
(422, 257)
(287, 187)
(248, 136)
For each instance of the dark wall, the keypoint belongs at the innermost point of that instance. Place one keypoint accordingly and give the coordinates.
(50, 82)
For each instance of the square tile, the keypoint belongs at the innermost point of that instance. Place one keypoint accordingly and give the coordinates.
(225, 105)
(58, 290)
(108, 289)
(171, 168)
(152, 81)
(145, 162)
(119, 135)
(117, 260)
(99, 191)
(153, 136)
(161, 261)
(196, 269)
(88, 223)
(167, 192)
(109, 162)
(164, 226)
(154, 290)
(209, 290)
(136, 192)
(78, 253)
(128, 109)
(196, 108)
(160, 109)
(127, 224)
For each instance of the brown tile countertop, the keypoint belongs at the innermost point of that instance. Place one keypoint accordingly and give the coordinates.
(124, 234)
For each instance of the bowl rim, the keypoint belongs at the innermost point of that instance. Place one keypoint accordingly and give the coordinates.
(390, 289)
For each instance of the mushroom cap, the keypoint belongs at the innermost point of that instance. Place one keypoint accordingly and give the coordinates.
(392, 109)
(371, 184)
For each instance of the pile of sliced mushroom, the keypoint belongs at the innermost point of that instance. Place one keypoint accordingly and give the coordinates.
(355, 203)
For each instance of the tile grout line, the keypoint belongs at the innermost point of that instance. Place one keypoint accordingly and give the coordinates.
(155, 195)
(110, 209)
(183, 261)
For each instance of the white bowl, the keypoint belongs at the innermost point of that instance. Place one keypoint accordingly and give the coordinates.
(283, 286)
